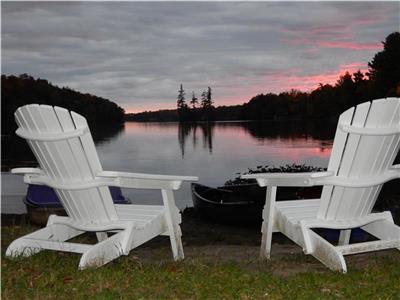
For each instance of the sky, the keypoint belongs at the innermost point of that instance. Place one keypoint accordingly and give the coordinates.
(138, 53)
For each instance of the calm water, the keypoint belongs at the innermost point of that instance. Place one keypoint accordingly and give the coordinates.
(214, 152)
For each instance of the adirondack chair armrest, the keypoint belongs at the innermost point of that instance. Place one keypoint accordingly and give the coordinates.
(30, 174)
(24, 171)
(288, 179)
(360, 182)
(146, 181)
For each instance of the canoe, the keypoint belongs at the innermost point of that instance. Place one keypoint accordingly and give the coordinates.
(41, 201)
(229, 204)
(241, 203)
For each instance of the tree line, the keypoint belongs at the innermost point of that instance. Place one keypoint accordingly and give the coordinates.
(326, 101)
(20, 90)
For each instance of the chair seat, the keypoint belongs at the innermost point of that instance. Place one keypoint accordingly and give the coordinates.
(296, 210)
(141, 214)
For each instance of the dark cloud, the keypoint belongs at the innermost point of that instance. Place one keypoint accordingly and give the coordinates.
(137, 53)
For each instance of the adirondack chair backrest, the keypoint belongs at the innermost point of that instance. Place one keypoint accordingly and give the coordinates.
(361, 154)
(64, 148)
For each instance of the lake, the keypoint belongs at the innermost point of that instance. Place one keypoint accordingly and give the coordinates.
(215, 152)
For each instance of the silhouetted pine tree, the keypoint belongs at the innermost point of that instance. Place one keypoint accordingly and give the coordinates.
(204, 99)
(181, 98)
(182, 106)
(207, 105)
(194, 100)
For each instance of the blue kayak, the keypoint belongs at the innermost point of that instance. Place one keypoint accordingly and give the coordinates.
(44, 196)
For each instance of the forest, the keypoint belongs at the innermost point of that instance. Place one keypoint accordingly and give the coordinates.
(20, 90)
(326, 101)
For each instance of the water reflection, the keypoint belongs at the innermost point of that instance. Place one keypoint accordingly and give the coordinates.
(107, 134)
(187, 129)
(292, 132)
(291, 137)
(15, 152)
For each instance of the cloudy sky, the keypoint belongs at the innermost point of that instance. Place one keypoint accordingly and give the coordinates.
(138, 53)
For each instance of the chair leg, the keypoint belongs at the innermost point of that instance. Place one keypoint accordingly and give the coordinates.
(267, 225)
(22, 247)
(121, 243)
(344, 237)
(173, 227)
(326, 253)
(104, 251)
(266, 241)
(31, 243)
(101, 236)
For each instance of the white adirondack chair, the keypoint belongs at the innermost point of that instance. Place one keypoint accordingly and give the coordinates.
(366, 143)
(64, 148)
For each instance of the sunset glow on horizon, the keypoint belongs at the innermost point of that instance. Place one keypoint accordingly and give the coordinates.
(273, 84)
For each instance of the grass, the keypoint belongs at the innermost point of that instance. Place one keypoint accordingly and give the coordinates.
(54, 275)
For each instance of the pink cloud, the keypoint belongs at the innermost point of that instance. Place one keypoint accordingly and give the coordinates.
(350, 45)
(315, 34)
(316, 44)
(331, 35)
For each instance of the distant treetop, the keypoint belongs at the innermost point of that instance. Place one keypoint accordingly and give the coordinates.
(20, 90)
